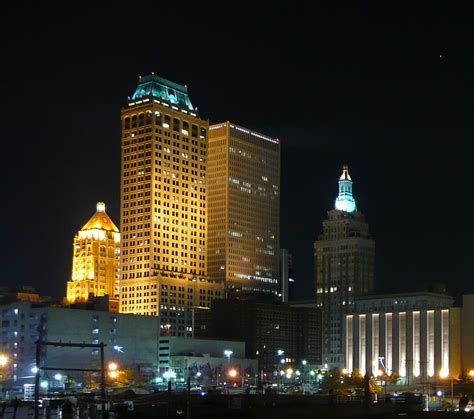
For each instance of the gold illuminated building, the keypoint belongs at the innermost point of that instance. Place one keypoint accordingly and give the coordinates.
(244, 209)
(163, 200)
(96, 259)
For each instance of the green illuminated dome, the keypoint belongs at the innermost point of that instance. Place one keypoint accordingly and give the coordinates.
(345, 201)
(163, 90)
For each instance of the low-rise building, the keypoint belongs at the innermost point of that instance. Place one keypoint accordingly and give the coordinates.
(131, 341)
(206, 360)
(414, 335)
(272, 331)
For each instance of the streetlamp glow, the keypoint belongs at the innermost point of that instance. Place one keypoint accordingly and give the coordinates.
(113, 374)
(304, 362)
(112, 366)
(345, 371)
(443, 373)
(232, 373)
(289, 371)
(58, 377)
(280, 352)
(282, 361)
(228, 353)
(3, 360)
(34, 370)
(312, 373)
(44, 384)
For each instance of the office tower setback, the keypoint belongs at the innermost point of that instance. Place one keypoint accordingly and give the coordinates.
(344, 267)
(164, 206)
(96, 259)
(244, 209)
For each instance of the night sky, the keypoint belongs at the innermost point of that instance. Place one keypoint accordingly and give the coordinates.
(387, 91)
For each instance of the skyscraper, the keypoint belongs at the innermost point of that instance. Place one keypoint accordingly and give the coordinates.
(244, 209)
(95, 261)
(344, 267)
(163, 200)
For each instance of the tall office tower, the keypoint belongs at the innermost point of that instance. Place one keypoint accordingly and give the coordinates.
(344, 266)
(244, 209)
(163, 206)
(96, 259)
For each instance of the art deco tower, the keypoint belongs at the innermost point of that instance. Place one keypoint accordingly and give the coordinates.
(163, 200)
(95, 262)
(244, 209)
(344, 267)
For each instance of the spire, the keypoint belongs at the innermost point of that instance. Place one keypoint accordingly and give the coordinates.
(345, 201)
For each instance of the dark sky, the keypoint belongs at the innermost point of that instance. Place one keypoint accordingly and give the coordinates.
(387, 90)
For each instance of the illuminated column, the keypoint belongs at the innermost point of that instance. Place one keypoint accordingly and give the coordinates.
(416, 343)
(388, 341)
(402, 344)
(349, 342)
(362, 344)
(430, 340)
(375, 343)
(444, 343)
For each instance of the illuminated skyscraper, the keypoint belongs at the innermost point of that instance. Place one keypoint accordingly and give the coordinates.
(244, 209)
(344, 267)
(163, 202)
(96, 258)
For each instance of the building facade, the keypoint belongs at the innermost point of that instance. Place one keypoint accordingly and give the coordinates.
(131, 341)
(96, 259)
(344, 267)
(205, 360)
(266, 329)
(414, 335)
(244, 209)
(163, 200)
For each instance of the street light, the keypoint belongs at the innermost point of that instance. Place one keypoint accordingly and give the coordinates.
(58, 377)
(3, 360)
(112, 366)
(280, 352)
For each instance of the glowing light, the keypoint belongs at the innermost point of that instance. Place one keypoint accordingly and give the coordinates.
(379, 373)
(228, 353)
(44, 384)
(169, 374)
(289, 371)
(304, 362)
(112, 366)
(443, 373)
(345, 201)
(471, 373)
(58, 377)
(34, 370)
(3, 360)
(280, 352)
(439, 393)
(312, 373)
(100, 207)
(232, 373)
(345, 371)
(198, 374)
(113, 374)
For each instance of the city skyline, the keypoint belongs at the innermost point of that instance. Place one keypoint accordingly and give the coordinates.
(394, 108)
